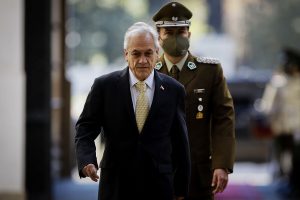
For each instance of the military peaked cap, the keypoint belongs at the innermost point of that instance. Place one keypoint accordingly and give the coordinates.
(172, 14)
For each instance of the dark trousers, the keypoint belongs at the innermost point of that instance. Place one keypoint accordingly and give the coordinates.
(295, 174)
(284, 144)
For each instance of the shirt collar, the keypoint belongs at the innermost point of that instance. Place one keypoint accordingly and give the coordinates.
(179, 64)
(149, 80)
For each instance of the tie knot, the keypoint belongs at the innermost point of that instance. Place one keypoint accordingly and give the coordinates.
(174, 69)
(141, 86)
(174, 72)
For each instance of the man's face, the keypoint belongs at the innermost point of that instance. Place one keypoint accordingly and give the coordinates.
(165, 32)
(141, 55)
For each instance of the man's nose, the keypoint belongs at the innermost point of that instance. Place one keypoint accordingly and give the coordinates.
(143, 59)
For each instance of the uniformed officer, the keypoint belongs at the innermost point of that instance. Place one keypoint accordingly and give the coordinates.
(209, 105)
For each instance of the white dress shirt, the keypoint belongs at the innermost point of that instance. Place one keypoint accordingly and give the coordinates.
(179, 64)
(149, 89)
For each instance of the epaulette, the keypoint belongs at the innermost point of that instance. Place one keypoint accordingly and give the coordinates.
(207, 60)
(158, 65)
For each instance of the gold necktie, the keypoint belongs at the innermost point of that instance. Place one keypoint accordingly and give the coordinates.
(174, 72)
(142, 107)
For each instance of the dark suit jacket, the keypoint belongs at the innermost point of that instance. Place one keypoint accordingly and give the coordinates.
(135, 166)
(211, 133)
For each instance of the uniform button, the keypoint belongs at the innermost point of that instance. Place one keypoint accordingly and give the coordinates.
(209, 158)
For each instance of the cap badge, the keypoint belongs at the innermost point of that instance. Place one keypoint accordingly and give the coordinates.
(191, 65)
(158, 65)
(174, 4)
(174, 18)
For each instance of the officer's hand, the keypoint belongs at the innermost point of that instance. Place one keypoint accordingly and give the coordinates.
(90, 171)
(179, 198)
(220, 180)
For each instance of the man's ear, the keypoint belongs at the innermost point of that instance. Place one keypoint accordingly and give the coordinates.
(125, 54)
(160, 40)
(157, 52)
(190, 34)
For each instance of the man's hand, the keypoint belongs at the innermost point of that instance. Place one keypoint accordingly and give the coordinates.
(220, 180)
(179, 198)
(91, 171)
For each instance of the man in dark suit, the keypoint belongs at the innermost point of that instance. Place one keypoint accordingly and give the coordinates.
(140, 113)
(209, 105)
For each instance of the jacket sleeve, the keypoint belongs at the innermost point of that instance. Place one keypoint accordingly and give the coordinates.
(223, 124)
(88, 128)
(181, 151)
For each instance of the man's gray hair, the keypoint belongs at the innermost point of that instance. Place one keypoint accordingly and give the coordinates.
(141, 27)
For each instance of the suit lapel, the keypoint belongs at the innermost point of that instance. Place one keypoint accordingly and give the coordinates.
(124, 87)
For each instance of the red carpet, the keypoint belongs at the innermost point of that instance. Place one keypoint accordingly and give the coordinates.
(240, 192)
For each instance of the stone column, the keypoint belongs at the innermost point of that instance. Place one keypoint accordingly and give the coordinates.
(12, 100)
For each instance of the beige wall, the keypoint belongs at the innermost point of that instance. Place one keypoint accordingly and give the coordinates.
(12, 100)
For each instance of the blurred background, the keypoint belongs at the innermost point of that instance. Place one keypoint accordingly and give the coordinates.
(52, 50)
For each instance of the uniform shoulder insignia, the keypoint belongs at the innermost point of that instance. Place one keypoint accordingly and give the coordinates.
(207, 60)
(191, 65)
(158, 65)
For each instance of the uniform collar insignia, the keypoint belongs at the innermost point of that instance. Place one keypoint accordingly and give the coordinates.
(191, 65)
(158, 65)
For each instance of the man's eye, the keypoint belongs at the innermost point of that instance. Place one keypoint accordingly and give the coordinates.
(135, 54)
(148, 54)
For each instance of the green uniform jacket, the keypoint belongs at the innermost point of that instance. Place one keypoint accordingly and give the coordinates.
(210, 120)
